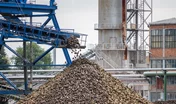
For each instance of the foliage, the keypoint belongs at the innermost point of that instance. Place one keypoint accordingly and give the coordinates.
(37, 51)
(3, 59)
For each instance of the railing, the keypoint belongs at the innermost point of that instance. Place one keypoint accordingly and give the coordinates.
(107, 26)
(112, 46)
(35, 24)
(133, 6)
(107, 59)
(82, 39)
(31, 1)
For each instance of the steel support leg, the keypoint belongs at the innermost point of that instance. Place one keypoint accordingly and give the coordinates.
(67, 56)
(55, 22)
(0, 47)
(25, 69)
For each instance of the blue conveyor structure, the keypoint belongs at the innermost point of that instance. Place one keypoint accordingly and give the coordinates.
(11, 26)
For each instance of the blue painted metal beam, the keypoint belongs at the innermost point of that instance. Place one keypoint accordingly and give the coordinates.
(27, 9)
(40, 57)
(24, 1)
(32, 65)
(41, 35)
(14, 92)
(67, 56)
(33, 15)
(8, 81)
(56, 25)
(46, 22)
(13, 51)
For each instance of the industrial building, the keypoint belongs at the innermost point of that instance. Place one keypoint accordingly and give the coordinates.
(127, 39)
(123, 24)
(162, 55)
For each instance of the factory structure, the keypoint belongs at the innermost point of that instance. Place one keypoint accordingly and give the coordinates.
(162, 55)
(129, 45)
(123, 39)
(123, 26)
(149, 45)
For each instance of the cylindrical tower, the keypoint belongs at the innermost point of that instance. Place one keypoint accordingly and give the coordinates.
(110, 45)
(109, 21)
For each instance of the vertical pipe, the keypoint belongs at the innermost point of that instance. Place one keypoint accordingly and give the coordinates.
(25, 68)
(54, 57)
(124, 27)
(165, 77)
(165, 85)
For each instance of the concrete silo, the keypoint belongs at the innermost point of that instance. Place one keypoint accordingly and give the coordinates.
(113, 36)
(110, 45)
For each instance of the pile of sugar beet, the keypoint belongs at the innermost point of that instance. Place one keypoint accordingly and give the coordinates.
(84, 82)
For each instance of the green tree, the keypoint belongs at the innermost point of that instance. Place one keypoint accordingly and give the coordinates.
(3, 59)
(37, 51)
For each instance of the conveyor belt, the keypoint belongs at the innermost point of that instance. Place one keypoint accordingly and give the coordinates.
(40, 35)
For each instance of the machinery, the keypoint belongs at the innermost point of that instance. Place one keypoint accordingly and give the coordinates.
(13, 27)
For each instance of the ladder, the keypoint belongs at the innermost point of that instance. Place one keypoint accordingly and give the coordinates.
(141, 47)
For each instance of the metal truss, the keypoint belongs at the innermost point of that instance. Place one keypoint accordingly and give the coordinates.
(11, 26)
(139, 14)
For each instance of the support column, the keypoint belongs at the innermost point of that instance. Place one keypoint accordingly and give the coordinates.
(165, 85)
(25, 69)
(31, 60)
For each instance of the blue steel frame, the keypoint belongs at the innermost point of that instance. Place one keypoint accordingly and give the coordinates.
(12, 9)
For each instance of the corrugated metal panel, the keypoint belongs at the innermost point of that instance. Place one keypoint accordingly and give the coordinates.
(165, 22)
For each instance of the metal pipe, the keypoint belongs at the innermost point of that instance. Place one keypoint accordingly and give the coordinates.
(122, 69)
(165, 76)
(165, 85)
(124, 10)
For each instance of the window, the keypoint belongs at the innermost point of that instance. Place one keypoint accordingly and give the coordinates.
(156, 63)
(171, 80)
(155, 96)
(156, 38)
(170, 38)
(170, 63)
(153, 80)
(171, 96)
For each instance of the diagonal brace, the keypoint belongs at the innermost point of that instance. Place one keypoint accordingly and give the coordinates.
(8, 81)
(40, 57)
(16, 53)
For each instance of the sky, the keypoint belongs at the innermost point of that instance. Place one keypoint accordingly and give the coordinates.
(81, 15)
